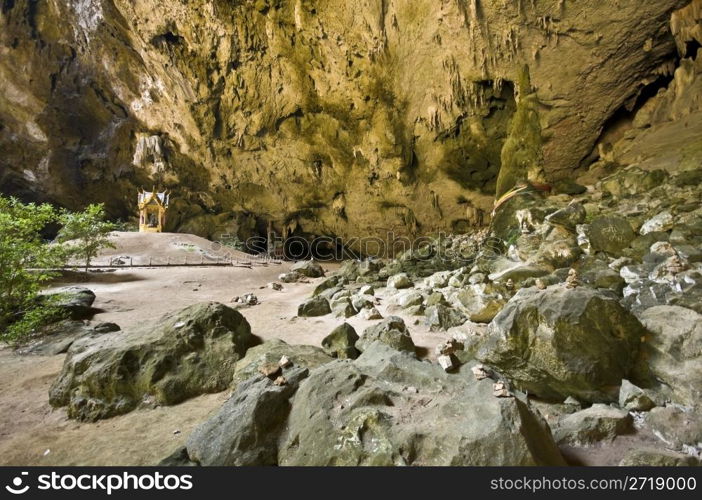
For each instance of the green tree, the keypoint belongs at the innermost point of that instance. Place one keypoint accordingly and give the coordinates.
(26, 259)
(87, 232)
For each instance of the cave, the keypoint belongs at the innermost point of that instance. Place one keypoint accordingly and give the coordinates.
(310, 234)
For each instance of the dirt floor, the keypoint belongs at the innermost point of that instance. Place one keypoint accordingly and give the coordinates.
(33, 433)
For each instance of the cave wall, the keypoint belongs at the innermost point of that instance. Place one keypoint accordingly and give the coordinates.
(339, 118)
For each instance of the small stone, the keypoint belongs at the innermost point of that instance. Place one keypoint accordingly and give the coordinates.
(106, 328)
(446, 362)
(499, 390)
(371, 314)
(280, 381)
(449, 347)
(572, 402)
(540, 284)
(176, 432)
(275, 286)
(284, 362)
(250, 299)
(510, 284)
(291, 277)
(634, 398)
(399, 281)
(270, 370)
(479, 372)
(675, 265)
(573, 279)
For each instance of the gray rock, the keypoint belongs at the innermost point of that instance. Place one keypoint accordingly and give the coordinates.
(327, 284)
(343, 308)
(563, 342)
(664, 221)
(368, 267)
(106, 328)
(438, 280)
(371, 314)
(678, 427)
(392, 331)
(409, 299)
(655, 457)
(674, 350)
(185, 354)
(362, 302)
(57, 338)
(597, 423)
(246, 429)
(518, 273)
(388, 408)
(399, 281)
(606, 279)
(316, 306)
(270, 353)
(308, 268)
(76, 301)
(480, 302)
(290, 277)
(569, 217)
(341, 342)
(610, 234)
(441, 317)
(634, 398)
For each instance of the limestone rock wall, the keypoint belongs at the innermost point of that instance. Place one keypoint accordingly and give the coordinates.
(331, 117)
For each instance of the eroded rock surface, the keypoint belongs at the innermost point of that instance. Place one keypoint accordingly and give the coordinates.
(185, 354)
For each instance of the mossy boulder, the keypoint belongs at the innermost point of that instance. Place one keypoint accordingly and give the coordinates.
(184, 354)
(562, 342)
(316, 306)
(341, 342)
(392, 331)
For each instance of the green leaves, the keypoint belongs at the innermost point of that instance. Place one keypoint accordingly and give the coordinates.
(87, 231)
(28, 260)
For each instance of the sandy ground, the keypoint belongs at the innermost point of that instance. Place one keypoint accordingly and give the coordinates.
(33, 433)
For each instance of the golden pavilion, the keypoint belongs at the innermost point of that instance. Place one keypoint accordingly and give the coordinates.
(152, 211)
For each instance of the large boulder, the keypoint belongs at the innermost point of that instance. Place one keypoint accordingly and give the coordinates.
(392, 331)
(597, 423)
(610, 234)
(388, 408)
(674, 350)
(184, 354)
(562, 342)
(246, 429)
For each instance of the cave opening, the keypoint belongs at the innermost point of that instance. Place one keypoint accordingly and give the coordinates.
(622, 119)
(691, 48)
